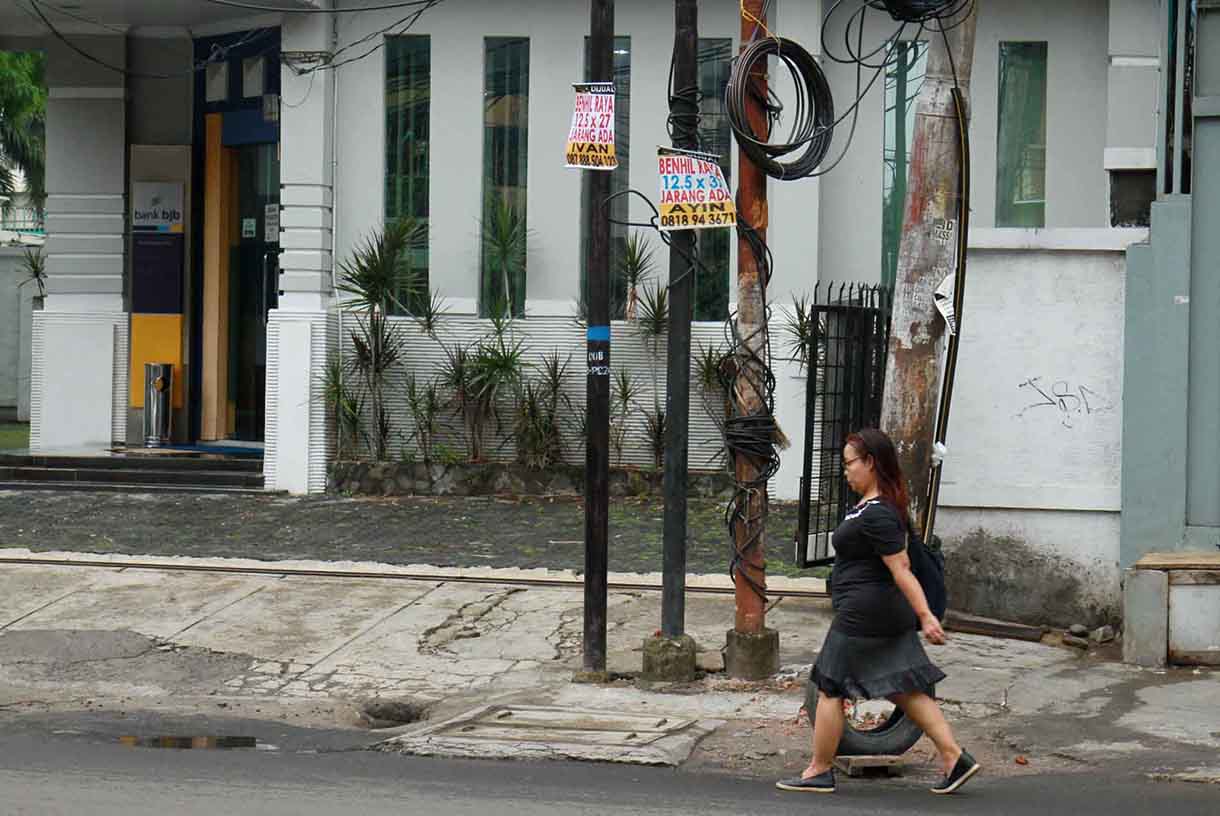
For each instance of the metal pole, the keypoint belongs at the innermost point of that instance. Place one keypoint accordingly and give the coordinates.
(752, 204)
(597, 388)
(684, 111)
(913, 366)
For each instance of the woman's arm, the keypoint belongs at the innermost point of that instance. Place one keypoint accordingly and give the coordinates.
(900, 567)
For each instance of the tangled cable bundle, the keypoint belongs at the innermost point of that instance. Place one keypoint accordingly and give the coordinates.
(813, 125)
(921, 11)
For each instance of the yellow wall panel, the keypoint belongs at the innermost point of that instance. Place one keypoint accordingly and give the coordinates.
(155, 338)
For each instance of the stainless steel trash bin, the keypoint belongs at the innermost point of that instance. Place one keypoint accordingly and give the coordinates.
(158, 410)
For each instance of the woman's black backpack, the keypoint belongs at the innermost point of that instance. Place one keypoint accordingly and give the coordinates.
(928, 565)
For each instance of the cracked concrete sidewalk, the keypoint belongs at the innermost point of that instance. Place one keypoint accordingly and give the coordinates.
(313, 649)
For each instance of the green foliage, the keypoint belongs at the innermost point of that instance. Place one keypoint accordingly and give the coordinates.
(540, 402)
(478, 377)
(347, 407)
(712, 368)
(375, 279)
(35, 264)
(23, 106)
(624, 393)
(653, 315)
(800, 329)
(636, 267)
(654, 428)
(505, 240)
(425, 405)
(378, 276)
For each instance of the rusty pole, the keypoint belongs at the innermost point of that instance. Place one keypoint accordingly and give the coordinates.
(753, 650)
(926, 257)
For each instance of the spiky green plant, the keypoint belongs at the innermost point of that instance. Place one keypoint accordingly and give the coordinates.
(376, 279)
(35, 265)
(635, 267)
(505, 245)
(346, 406)
(541, 402)
(624, 394)
(654, 429)
(424, 403)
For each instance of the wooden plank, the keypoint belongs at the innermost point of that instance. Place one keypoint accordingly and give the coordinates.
(1200, 560)
(1194, 658)
(975, 625)
(541, 735)
(870, 765)
(1194, 577)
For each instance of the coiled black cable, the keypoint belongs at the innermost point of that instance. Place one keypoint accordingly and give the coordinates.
(921, 11)
(813, 124)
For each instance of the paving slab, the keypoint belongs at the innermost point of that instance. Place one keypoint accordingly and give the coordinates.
(303, 620)
(28, 589)
(152, 602)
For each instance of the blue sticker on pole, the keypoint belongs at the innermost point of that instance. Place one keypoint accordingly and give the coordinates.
(599, 351)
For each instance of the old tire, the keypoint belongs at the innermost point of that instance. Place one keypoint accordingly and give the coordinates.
(894, 737)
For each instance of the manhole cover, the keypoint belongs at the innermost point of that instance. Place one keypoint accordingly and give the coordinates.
(554, 732)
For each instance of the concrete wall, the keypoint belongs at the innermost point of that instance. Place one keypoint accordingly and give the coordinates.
(1077, 188)
(1030, 496)
(159, 110)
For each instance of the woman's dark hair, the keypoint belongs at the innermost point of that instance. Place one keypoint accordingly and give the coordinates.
(890, 481)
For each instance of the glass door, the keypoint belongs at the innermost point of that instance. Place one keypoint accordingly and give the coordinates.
(253, 286)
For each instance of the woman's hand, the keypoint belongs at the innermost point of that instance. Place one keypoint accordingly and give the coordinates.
(931, 628)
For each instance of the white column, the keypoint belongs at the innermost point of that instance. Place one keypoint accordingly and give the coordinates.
(1133, 85)
(793, 236)
(79, 344)
(299, 332)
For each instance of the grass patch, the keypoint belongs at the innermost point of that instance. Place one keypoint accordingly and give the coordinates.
(14, 436)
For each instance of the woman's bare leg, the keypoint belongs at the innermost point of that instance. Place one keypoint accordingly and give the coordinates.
(925, 713)
(827, 731)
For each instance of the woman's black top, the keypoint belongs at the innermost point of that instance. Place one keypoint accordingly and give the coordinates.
(866, 600)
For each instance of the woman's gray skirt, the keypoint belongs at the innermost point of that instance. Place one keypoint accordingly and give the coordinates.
(872, 667)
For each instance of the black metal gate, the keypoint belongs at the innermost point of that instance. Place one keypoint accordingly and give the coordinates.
(848, 339)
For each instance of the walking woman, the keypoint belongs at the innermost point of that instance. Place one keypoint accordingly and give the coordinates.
(872, 650)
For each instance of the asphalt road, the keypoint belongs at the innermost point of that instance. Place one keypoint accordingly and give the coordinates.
(75, 765)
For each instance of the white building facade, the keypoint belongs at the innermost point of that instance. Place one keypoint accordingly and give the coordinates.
(475, 99)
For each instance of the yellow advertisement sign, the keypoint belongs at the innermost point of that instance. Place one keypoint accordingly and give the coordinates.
(694, 194)
(591, 137)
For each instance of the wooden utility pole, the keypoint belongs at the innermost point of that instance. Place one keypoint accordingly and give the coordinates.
(597, 384)
(927, 256)
(752, 650)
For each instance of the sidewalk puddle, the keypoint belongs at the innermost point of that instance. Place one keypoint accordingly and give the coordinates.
(180, 743)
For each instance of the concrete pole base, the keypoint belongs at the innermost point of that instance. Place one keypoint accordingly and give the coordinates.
(751, 656)
(669, 659)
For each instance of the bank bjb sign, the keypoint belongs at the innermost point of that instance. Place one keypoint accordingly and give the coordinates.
(156, 206)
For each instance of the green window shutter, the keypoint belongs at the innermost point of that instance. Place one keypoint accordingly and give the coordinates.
(1021, 136)
(408, 93)
(505, 169)
(903, 80)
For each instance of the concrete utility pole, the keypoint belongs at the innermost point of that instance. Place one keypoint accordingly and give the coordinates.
(597, 384)
(927, 256)
(672, 656)
(752, 649)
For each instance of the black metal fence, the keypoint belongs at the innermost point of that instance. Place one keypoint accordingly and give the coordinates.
(847, 342)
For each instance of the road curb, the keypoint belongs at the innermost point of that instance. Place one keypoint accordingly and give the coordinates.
(778, 586)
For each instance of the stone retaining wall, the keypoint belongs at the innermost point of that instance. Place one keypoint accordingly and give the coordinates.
(418, 479)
